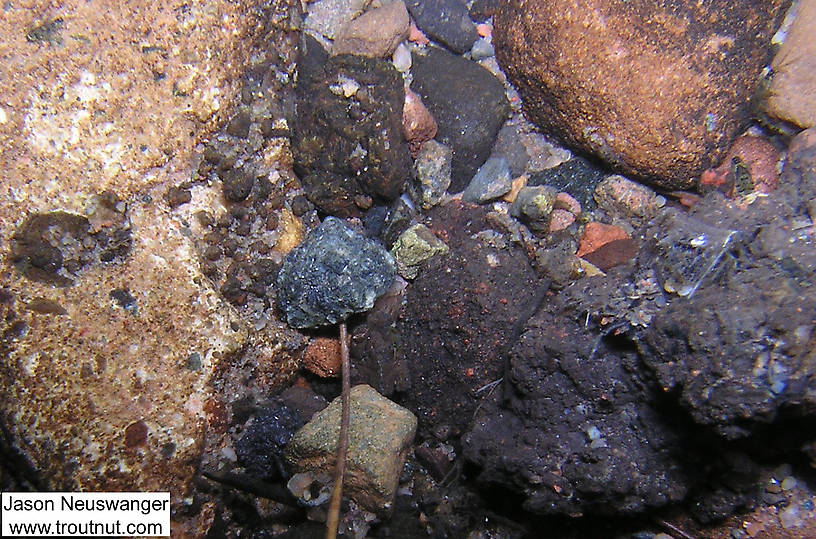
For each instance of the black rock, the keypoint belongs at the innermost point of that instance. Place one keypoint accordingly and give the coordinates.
(575, 431)
(461, 314)
(347, 138)
(469, 106)
(578, 177)
(260, 448)
(445, 21)
(332, 274)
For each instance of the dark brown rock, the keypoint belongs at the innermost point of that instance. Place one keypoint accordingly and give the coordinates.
(657, 89)
(348, 132)
(454, 348)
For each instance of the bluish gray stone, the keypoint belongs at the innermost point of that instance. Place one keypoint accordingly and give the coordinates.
(481, 49)
(332, 274)
(491, 181)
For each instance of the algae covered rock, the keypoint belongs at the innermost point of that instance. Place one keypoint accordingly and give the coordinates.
(414, 247)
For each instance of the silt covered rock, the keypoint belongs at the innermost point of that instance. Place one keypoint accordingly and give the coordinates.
(575, 431)
(335, 272)
(460, 316)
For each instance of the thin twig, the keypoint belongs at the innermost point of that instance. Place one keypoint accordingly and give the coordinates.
(333, 521)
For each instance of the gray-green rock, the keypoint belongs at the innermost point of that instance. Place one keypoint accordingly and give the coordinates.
(414, 247)
(433, 173)
(380, 435)
(332, 274)
(533, 206)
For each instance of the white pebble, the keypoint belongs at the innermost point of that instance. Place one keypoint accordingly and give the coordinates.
(402, 58)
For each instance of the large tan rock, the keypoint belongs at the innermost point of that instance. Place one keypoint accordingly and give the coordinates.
(658, 89)
(111, 335)
(792, 92)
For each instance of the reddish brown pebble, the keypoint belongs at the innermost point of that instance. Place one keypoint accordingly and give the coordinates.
(417, 123)
(596, 235)
(757, 155)
(484, 30)
(567, 202)
(415, 35)
(560, 219)
(322, 357)
(136, 434)
(611, 254)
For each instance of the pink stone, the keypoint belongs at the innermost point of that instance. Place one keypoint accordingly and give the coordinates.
(560, 219)
(484, 30)
(417, 123)
(567, 202)
(415, 35)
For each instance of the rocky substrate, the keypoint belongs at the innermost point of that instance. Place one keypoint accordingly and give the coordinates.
(537, 341)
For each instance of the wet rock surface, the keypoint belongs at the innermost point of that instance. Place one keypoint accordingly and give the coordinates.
(453, 348)
(571, 426)
(605, 93)
(595, 396)
(469, 106)
(380, 434)
(737, 351)
(335, 272)
(347, 139)
(445, 21)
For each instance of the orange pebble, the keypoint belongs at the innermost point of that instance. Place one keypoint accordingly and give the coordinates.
(415, 35)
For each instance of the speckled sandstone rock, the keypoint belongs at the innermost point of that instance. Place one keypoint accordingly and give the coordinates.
(792, 89)
(657, 89)
(111, 331)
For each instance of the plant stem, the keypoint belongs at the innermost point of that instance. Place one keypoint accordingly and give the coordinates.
(333, 521)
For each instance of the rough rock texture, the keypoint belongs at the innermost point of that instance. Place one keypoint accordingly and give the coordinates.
(260, 447)
(335, 272)
(446, 21)
(454, 347)
(468, 104)
(751, 166)
(575, 432)
(78, 371)
(657, 89)
(414, 247)
(737, 349)
(433, 174)
(327, 17)
(791, 91)
(380, 435)
(347, 138)
(105, 380)
(375, 33)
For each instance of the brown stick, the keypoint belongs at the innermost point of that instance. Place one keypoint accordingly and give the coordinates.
(333, 521)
